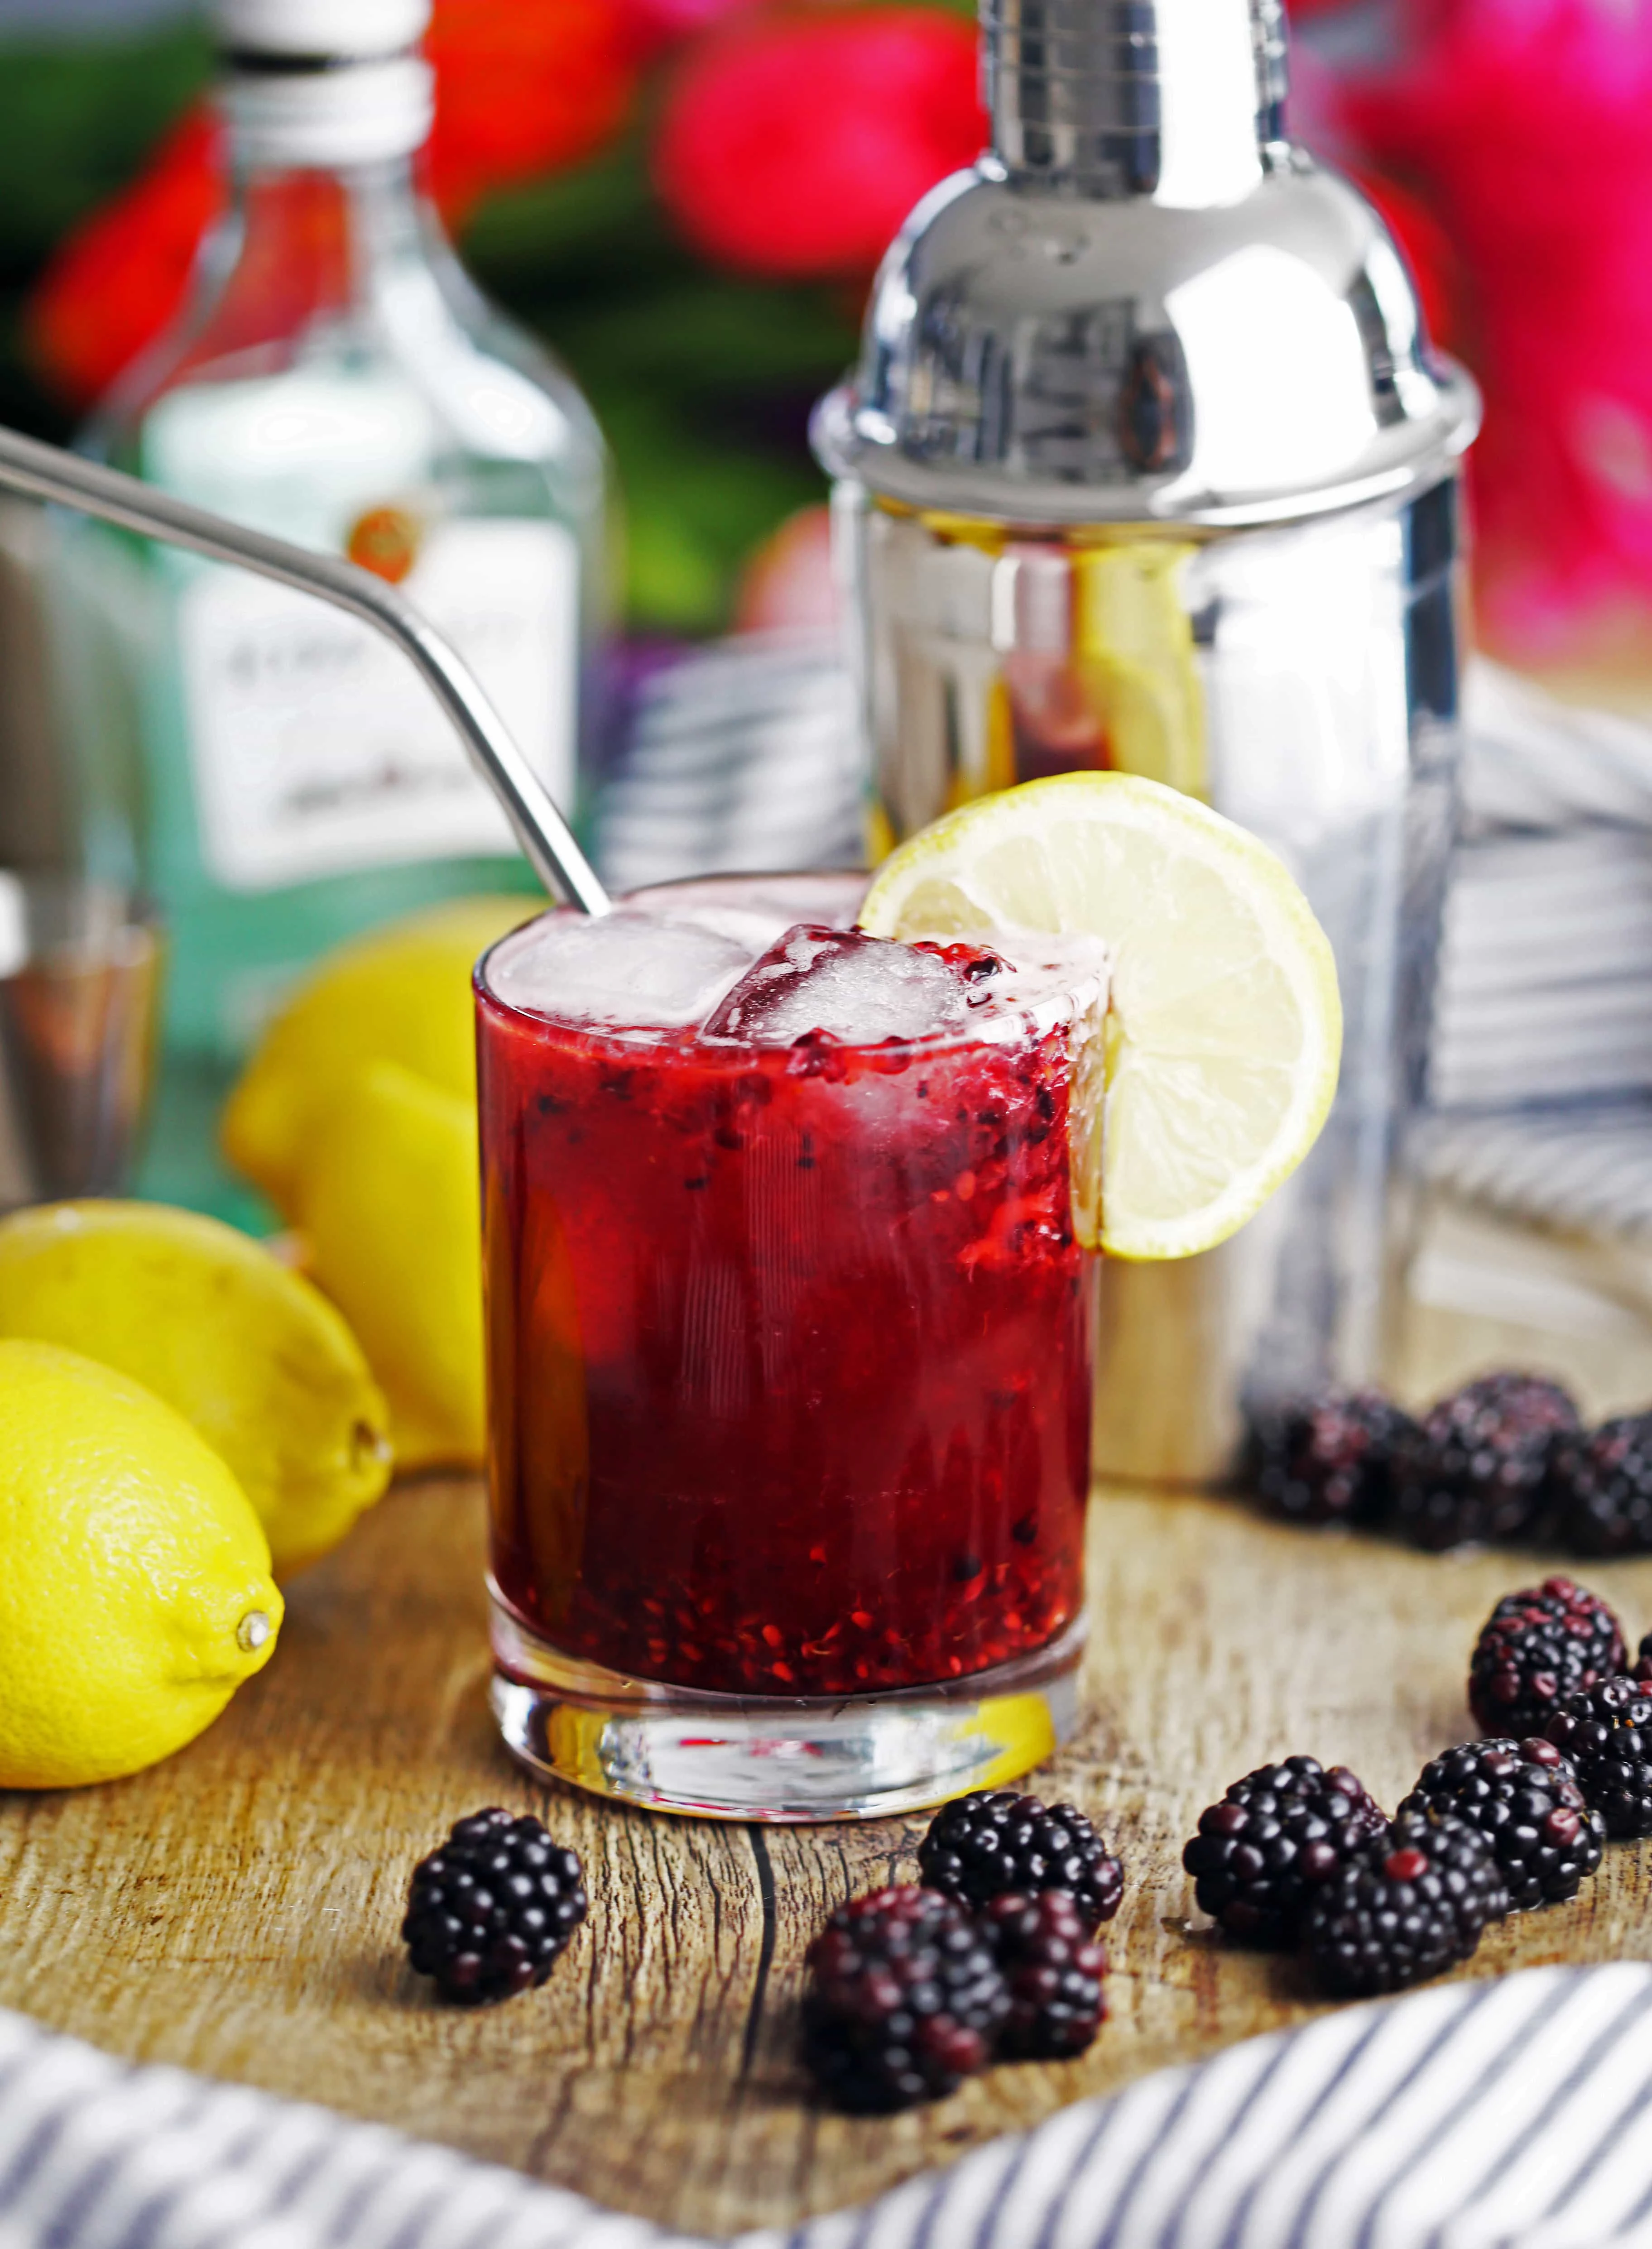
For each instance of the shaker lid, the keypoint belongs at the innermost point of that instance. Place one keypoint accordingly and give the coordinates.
(1143, 303)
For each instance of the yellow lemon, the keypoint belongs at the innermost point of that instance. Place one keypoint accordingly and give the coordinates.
(255, 1357)
(1218, 1059)
(135, 1593)
(402, 994)
(387, 1201)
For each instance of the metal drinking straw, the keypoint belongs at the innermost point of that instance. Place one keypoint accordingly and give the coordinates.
(47, 472)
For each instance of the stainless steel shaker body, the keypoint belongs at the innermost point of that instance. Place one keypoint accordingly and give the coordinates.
(1147, 464)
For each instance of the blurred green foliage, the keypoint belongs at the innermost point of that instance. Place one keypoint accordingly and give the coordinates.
(76, 123)
(703, 382)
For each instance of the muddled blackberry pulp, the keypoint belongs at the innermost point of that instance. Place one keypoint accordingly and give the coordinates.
(788, 1334)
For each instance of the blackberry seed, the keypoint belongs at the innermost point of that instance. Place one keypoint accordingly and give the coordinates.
(491, 1911)
(1606, 1733)
(1054, 1968)
(904, 2000)
(1413, 1901)
(984, 1845)
(1524, 1798)
(1477, 1466)
(1274, 1839)
(1601, 1485)
(1324, 1458)
(1536, 1648)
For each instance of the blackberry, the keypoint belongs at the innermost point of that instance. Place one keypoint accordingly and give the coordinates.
(1601, 1482)
(1642, 1666)
(1054, 1969)
(1276, 1836)
(1413, 1901)
(1524, 1799)
(1606, 1733)
(1536, 1648)
(1326, 1458)
(904, 2000)
(980, 1847)
(1477, 1466)
(492, 1910)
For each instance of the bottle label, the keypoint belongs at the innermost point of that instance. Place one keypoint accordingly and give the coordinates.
(318, 749)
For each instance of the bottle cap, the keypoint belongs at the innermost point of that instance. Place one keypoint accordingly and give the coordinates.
(324, 30)
(365, 114)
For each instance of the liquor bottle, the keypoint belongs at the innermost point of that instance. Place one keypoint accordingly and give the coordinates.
(1147, 465)
(337, 380)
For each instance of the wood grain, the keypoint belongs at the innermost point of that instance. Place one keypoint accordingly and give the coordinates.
(236, 1909)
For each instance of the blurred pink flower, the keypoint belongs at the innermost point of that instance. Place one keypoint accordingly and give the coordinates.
(1524, 128)
(793, 144)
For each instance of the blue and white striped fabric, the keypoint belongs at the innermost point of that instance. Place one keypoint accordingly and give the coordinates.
(1507, 2115)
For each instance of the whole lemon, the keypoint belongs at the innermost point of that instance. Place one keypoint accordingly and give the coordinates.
(389, 1209)
(254, 1356)
(402, 994)
(135, 1593)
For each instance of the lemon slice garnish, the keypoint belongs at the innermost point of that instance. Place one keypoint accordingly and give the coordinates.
(1223, 1032)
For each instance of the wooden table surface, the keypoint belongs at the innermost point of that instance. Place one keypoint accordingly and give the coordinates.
(236, 1909)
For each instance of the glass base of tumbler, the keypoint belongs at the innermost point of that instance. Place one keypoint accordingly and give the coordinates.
(738, 1757)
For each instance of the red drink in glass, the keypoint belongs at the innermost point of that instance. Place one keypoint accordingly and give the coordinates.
(788, 1331)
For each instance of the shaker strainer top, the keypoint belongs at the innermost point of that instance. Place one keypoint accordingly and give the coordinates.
(1144, 302)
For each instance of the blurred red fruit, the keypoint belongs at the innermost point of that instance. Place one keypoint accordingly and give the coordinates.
(523, 87)
(118, 279)
(786, 583)
(655, 24)
(795, 146)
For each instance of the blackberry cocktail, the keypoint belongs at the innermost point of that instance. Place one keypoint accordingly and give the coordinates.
(789, 1349)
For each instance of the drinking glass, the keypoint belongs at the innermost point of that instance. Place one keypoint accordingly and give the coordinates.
(789, 1367)
(79, 988)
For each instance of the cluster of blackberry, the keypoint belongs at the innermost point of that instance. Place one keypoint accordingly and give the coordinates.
(1505, 1458)
(1295, 1856)
(1552, 1658)
(992, 1956)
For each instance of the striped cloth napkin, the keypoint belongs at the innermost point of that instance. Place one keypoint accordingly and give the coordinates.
(740, 755)
(1505, 2115)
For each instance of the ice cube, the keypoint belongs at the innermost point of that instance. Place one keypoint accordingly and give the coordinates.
(622, 971)
(857, 988)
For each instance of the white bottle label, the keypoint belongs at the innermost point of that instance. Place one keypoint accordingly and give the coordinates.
(316, 747)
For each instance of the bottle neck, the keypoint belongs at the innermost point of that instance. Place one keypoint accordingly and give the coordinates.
(1181, 100)
(308, 246)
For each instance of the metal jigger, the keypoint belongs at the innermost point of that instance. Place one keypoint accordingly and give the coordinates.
(1147, 463)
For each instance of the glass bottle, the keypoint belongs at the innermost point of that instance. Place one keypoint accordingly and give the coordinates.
(338, 382)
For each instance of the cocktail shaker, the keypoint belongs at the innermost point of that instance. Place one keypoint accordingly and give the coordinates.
(1147, 463)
